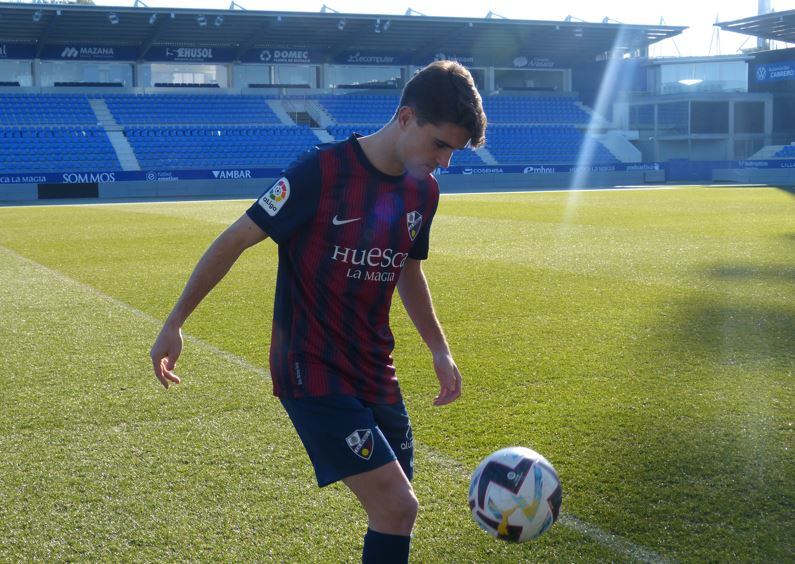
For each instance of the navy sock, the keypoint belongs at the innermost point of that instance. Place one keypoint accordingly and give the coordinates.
(381, 548)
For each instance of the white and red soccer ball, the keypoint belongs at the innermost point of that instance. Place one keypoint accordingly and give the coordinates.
(515, 494)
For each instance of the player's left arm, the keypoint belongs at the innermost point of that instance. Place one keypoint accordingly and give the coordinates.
(413, 289)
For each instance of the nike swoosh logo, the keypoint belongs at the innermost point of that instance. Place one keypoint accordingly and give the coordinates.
(337, 221)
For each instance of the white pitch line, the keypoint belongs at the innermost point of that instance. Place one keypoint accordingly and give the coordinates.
(615, 543)
(234, 359)
(646, 187)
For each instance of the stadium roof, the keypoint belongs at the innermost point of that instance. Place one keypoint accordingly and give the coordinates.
(566, 42)
(779, 26)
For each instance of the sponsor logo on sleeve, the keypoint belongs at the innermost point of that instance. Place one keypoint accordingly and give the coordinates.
(273, 200)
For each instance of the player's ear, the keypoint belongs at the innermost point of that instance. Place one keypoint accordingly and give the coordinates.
(405, 115)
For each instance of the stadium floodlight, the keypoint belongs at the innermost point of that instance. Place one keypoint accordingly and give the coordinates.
(413, 12)
(113, 19)
(140, 3)
(218, 21)
(152, 19)
(202, 20)
(325, 9)
(234, 5)
(37, 16)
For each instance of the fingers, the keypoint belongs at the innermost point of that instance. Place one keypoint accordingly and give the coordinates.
(164, 369)
(158, 366)
(450, 390)
(168, 373)
(164, 355)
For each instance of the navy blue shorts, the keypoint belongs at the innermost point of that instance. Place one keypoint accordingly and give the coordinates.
(344, 435)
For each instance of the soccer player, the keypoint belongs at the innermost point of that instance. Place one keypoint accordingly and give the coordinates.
(352, 221)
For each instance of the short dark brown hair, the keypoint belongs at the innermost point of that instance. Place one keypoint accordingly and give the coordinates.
(444, 92)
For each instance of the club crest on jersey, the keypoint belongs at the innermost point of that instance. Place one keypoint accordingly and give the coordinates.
(273, 199)
(414, 222)
(361, 443)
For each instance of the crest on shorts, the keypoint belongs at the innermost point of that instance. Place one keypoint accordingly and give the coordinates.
(414, 222)
(361, 443)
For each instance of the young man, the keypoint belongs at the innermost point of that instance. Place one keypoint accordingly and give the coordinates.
(352, 222)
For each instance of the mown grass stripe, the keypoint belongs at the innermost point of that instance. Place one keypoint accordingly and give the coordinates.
(613, 542)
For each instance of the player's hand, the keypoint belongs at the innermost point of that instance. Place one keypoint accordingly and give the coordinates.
(165, 353)
(449, 379)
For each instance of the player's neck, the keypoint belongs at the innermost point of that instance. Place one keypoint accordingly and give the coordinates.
(379, 148)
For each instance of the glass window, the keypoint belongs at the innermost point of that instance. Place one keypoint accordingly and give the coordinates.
(744, 148)
(672, 118)
(709, 117)
(297, 75)
(725, 76)
(246, 75)
(16, 71)
(51, 72)
(749, 117)
(340, 76)
(189, 74)
(641, 117)
(551, 81)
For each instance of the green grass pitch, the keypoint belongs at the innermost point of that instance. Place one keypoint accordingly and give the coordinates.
(641, 340)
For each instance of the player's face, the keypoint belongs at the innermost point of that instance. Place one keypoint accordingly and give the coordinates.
(423, 148)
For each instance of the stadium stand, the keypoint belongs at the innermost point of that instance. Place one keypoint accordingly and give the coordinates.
(190, 130)
(89, 84)
(52, 133)
(534, 109)
(54, 149)
(543, 144)
(786, 152)
(185, 85)
(186, 147)
(189, 109)
(518, 132)
(45, 109)
(460, 158)
(360, 109)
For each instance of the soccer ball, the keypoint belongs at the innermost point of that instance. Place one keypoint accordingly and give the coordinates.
(515, 494)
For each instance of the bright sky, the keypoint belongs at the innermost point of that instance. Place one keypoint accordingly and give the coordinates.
(699, 15)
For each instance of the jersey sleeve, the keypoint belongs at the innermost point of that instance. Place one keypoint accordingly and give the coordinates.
(291, 201)
(419, 250)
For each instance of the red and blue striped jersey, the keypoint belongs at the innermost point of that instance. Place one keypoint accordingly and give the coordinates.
(344, 231)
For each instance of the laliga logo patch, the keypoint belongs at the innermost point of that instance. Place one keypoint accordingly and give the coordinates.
(414, 221)
(361, 443)
(273, 200)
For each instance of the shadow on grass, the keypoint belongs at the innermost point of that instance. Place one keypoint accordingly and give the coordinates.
(707, 429)
(731, 333)
(746, 272)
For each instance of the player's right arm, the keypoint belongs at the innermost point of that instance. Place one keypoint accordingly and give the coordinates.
(210, 270)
